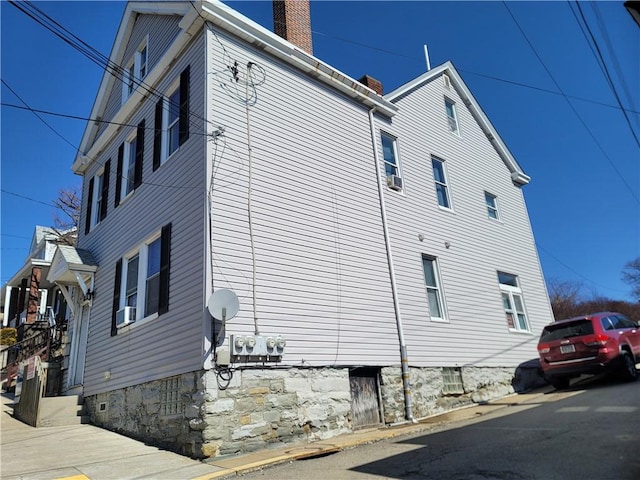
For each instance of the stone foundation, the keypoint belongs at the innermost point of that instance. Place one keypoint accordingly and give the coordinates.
(264, 408)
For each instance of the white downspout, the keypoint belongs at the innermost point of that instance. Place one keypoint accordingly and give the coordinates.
(404, 360)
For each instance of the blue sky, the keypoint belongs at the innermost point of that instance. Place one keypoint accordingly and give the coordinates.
(543, 90)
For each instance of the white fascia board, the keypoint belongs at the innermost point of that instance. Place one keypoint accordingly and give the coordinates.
(25, 271)
(255, 34)
(517, 174)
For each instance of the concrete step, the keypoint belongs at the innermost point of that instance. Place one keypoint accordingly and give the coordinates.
(64, 410)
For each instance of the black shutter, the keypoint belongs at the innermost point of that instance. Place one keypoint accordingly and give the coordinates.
(119, 175)
(87, 224)
(105, 190)
(184, 106)
(116, 297)
(165, 261)
(137, 176)
(157, 135)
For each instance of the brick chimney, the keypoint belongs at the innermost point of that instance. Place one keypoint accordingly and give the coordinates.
(372, 83)
(292, 21)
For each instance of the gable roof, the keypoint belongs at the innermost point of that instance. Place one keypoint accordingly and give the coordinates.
(517, 173)
(194, 15)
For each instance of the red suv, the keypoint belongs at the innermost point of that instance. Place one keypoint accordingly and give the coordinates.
(589, 344)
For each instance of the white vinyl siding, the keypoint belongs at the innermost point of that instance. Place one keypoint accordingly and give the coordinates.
(172, 194)
(321, 271)
(469, 249)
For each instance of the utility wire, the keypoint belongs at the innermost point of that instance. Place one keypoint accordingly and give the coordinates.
(39, 117)
(633, 194)
(29, 198)
(607, 75)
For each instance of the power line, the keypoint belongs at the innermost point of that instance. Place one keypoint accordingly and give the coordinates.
(633, 194)
(28, 198)
(605, 71)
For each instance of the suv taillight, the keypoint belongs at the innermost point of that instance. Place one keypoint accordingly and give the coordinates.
(544, 348)
(598, 340)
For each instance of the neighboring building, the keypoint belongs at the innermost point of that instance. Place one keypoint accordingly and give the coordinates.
(385, 239)
(28, 297)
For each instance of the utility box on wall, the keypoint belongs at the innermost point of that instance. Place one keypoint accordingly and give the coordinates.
(257, 348)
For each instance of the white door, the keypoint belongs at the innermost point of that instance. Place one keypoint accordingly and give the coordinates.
(78, 347)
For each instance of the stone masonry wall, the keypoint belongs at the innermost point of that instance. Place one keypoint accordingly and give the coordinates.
(169, 418)
(264, 408)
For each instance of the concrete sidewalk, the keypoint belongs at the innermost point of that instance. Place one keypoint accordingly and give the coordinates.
(86, 452)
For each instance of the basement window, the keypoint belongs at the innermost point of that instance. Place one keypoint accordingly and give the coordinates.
(170, 396)
(452, 380)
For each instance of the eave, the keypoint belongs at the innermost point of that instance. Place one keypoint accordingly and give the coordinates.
(517, 174)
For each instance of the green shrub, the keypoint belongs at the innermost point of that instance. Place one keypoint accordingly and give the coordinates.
(8, 336)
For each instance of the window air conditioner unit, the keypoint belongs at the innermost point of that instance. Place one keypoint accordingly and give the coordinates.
(394, 182)
(125, 316)
(447, 81)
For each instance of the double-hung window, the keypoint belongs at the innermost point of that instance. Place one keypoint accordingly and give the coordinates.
(97, 198)
(390, 154)
(171, 120)
(142, 279)
(130, 158)
(492, 205)
(452, 117)
(513, 302)
(391, 163)
(135, 71)
(433, 287)
(440, 178)
(130, 149)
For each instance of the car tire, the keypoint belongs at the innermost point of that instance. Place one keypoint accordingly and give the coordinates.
(629, 372)
(559, 383)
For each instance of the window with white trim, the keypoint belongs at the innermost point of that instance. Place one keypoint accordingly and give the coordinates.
(492, 205)
(140, 282)
(440, 178)
(142, 279)
(129, 170)
(135, 71)
(433, 288)
(513, 302)
(172, 120)
(452, 117)
(97, 198)
(389, 154)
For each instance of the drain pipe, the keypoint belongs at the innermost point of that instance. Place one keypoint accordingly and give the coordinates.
(404, 360)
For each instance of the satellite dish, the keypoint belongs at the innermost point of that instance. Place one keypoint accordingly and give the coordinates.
(223, 304)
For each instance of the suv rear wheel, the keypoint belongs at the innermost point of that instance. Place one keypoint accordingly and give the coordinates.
(629, 371)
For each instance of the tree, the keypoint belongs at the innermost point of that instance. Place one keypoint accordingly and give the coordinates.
(67, 218)
(565, 298)
(631, 275)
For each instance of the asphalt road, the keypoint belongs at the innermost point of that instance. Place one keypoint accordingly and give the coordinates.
(590, 432)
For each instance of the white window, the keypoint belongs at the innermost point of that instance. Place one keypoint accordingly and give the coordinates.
(390, 154)
(452, 117)
(135, 71)
(440, 178)
(128, 177)
(433, 287)
(140, 286)
(96, 202)
(171, 123)
(492, 205)
(513, 302)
